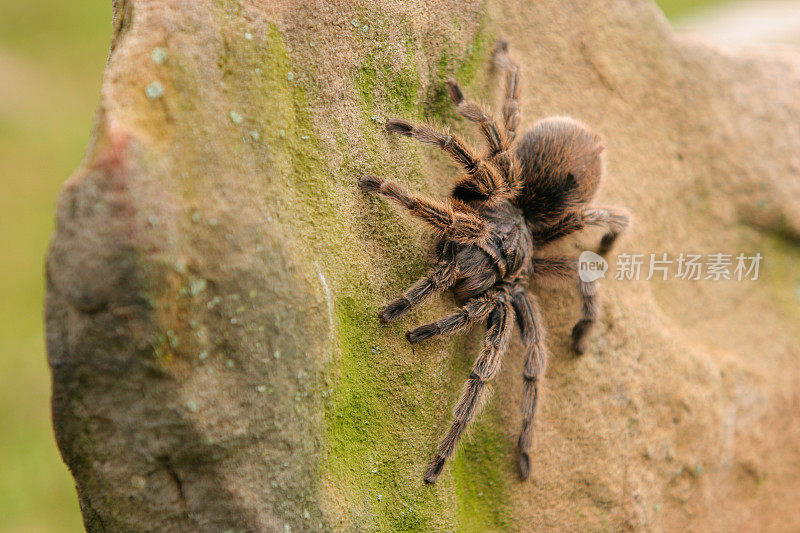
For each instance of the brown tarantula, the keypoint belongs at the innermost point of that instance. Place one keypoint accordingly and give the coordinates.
(511, 202)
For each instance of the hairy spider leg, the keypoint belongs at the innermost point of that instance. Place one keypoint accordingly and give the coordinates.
(511, 113)
(485, 367)
(614, 219)
(565, 269)
(453, 220)
(473, 112)
(485, 180)
(475, 309)
(439, 279)
(532, 330)
(498, 144)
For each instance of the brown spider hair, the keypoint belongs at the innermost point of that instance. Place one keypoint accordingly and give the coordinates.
(508, 204)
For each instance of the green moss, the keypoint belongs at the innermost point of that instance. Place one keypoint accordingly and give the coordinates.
(481, 472)
(387, 89)
(780, 268)
(305, 165)
(477, 56)
(397, 88)
(371, 420)
(382, 430)
(466, 67)
(287, 140)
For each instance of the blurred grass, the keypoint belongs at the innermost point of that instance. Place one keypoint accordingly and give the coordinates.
(52, 56)
(680, 8)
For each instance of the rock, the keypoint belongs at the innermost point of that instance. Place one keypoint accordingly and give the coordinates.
(212, 295)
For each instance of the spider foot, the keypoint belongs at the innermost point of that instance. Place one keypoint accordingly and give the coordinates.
(579, 333)
(421, 333)
(501, 46)
(434, 470)
(606, 242)
(455, 91)
(394, 310)
(370, 183)
(398, 125)
(524, 463)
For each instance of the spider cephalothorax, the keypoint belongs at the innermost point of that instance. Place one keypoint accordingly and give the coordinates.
(517, 198)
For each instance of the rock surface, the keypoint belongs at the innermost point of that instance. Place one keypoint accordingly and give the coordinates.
(215, 277)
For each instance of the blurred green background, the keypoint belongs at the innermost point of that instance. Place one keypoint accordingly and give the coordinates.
(52, 55)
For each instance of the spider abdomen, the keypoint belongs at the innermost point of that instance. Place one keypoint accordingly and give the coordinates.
(560, 167)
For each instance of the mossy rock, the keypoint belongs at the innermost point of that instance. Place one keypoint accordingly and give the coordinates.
(215, 278)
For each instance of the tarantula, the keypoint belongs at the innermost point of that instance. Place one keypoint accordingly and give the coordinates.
(517, 198)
